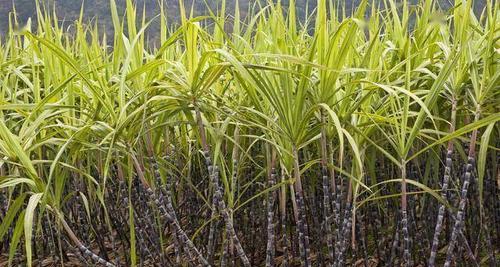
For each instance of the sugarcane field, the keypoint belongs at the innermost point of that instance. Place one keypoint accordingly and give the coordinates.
(250, 133)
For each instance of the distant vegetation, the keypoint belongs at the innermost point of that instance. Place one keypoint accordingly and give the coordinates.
(99, 10)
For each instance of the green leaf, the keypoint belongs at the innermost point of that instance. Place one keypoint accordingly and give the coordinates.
(28, 224)
(16, 151)
(467, 128)
(417, 184)
(11, 214)
(16, 237)
(431, 99)
(12, 182)
(481, 163)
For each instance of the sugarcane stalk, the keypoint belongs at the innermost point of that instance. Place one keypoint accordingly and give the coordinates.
(270, 224)
(345, 231)
(364, 238)
(301, 216)
(338, 191)
(404, 217)
(394, 246)
(215, 182)
(212, 230)
(167, 192)
(283, 215)
(225, 249)
(170, 218)
(230, 250)
(460, 216)
(338, 228)
(326, 191)
(229, 221)
(489, 247)
(444, 188)
(233, 186)
(85, 251)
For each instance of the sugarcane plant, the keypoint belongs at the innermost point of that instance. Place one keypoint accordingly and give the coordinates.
(259, 134)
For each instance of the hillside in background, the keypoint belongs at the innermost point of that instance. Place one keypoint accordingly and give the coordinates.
(99, 10)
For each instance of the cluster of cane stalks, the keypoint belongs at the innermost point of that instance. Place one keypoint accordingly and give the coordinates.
(363, 139)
